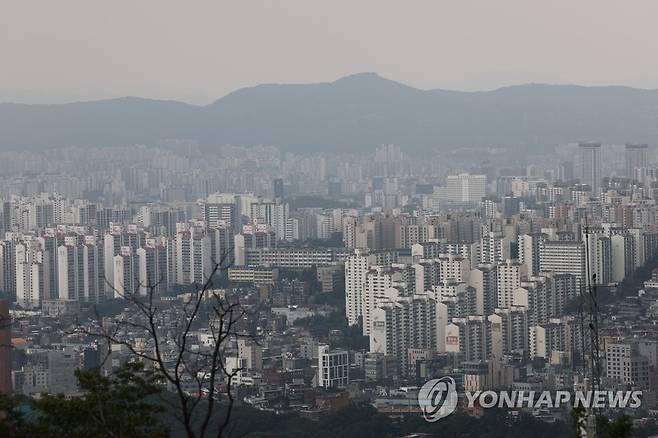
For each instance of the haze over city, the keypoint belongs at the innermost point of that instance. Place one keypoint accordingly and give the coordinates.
(356, 219)
(79, 50)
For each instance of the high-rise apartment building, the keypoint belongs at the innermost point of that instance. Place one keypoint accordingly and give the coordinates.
(377, 283)
(590, 165)
(191, 252)
(494, 248)
(635, 155)
(153, 272)
(388, 160)
(484, 280)
(600, 259)
(404, 323)
(273, 214)
(563, 257)
(508, 331)
(125, 273)
(277, 188)
(466, 188)
(29, 275)
(356, 268)
(509, 276)
(529, 251)
(453, 268)
(625, 364)
(221, 209)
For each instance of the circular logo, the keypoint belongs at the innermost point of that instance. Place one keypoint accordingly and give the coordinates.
(438, 398)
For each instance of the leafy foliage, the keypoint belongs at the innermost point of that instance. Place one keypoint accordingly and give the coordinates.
(121, 405)
(620, 427)
(363, 421)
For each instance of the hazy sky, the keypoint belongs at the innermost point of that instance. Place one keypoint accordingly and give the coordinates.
(199, 50)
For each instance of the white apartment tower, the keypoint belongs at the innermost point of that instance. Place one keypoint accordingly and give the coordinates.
(453, 268)
(509, 277)
(377, 281)
(152, 267)
(600, 259)
(356, 268)
(271, 213)
(400, 324)
(30, 290)
(563, 257)
(93, 274)
(193, 262)
(508, 331)
(484, 280)
(466, 188)
(622, 256)
(468, 335)
(125, 273)
(494, 248)
(529, 251)
(70, 280)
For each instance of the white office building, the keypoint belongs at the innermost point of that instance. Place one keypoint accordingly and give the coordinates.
(333, 367)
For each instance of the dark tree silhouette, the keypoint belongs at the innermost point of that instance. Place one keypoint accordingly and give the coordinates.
(200, 380)
(119, 405)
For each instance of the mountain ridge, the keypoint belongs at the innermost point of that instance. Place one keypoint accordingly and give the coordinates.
(353, 112)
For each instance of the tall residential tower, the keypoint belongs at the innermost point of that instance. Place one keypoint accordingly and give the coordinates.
(590, 165)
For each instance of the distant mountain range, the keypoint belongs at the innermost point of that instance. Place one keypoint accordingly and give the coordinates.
(352, 113)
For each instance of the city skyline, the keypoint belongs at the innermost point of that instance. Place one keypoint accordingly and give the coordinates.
(316, 219)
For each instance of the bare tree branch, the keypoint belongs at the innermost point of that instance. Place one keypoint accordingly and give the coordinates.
(171, 356)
